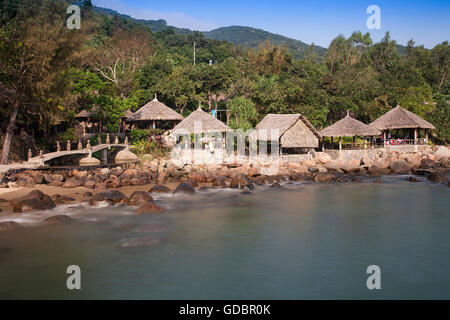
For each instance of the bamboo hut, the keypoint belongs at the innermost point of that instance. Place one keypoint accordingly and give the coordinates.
(153, 112)
(200, 121)
(349, 127)
(291, 131)
(400, 118)
(90, 121)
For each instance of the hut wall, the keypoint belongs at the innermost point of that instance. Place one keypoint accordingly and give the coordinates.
(299, 136)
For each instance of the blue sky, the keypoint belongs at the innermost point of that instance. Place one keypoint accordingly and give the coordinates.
(318, 21)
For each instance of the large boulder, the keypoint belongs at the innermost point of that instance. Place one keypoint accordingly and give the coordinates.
(148, 208)
(413, 160)
(399, 167)
(441, 153)
(159, 188)
(58, 219)
(138, 198)
(59, 199)
(184, 188)
(117, 171)
(241, 181)
(110, 196)
(438, 177)
(298, 177)
(10, 226)
(191, 182)
(90, 184)
(427, 163)
(322, 157)
(33, 201)
(378, 171)
(262, 179)
(324, 177)
(72, 183)
(38, 177)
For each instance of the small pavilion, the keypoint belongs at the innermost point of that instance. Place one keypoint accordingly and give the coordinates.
(90, 121)
(154, 114)
(200, 122)
(349, 127)
(291, 131)
(400, 118)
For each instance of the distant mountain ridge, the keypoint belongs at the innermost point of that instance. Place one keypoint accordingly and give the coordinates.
(238, 35)
(252, 37)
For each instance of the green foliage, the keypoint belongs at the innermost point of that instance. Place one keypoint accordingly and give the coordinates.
(69, 134)
(139, 134)
(117, 64)
(243, 113)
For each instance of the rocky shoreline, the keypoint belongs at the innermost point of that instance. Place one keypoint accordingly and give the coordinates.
(96, 185)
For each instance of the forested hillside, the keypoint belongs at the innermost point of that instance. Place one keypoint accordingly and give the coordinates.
(49, 73)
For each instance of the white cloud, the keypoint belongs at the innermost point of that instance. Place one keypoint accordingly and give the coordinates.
(176, 19)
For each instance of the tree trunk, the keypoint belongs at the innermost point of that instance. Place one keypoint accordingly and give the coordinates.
(9, 134)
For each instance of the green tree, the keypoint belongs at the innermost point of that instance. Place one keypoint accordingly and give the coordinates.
(243, 113)
(35, 48)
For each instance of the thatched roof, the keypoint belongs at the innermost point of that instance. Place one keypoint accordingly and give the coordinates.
(349, 127)
(127, 113)
(155, 110)
(200, 118)
(282, 122)
(94, 112)
(399, 118)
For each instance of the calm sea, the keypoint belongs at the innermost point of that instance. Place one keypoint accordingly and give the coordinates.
(304, 241)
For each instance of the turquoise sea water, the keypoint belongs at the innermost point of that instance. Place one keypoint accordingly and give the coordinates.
(304, 241)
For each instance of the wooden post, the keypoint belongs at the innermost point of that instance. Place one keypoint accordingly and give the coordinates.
(332, 145)
(340, 143)
(68, 145)
(384, 137)
(415, 139)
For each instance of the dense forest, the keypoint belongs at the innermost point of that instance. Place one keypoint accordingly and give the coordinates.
(48, 73)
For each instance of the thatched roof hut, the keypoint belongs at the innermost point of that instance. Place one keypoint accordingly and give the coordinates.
(291, 130)
(95, 112)
(154, 110)
(400, 118)
(349, 127)
(127, 114)
(203, 123)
